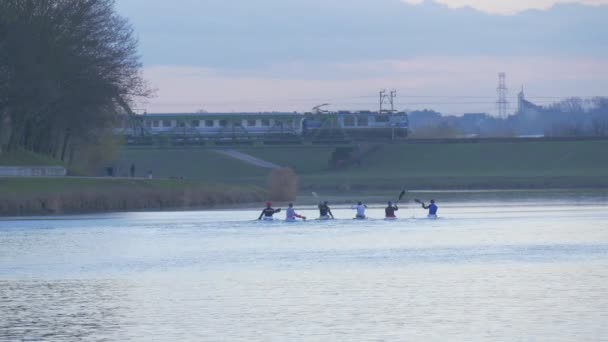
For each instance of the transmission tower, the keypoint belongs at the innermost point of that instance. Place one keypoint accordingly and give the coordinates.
(502, 102)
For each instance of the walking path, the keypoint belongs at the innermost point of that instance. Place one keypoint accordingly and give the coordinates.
(249, 159)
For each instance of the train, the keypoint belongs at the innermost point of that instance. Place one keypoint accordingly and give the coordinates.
(265, 127)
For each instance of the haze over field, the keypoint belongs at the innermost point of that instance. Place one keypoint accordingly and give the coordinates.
(244, 55)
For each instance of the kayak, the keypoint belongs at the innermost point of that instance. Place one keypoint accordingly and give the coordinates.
(390, 218)
(429, 216)
(294, 220)
(325, 218)
(360, 218)
(267, 218)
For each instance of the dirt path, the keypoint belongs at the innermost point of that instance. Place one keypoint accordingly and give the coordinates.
(249, 159)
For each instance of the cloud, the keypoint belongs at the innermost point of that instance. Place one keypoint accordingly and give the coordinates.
(508, 6)
(440, 83)
(243, 55)
(244, 34)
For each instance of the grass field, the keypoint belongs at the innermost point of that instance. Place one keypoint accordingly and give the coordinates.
(484, 165)
(302, 159)
(200, 164)
(530, 164)
(26, 158)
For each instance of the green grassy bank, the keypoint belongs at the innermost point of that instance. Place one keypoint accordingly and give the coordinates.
(66, 195)
(27, 158)
(569, 164)
(480, 165)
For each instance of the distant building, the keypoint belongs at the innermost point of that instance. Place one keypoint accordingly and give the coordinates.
(530, 119)
(525, 107)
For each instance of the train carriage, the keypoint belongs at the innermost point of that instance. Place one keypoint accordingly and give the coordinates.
(269, 127)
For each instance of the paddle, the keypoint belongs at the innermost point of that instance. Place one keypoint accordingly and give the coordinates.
(316, 196)
(401, 195)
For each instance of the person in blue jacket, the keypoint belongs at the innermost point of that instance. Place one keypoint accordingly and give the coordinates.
(432, 208)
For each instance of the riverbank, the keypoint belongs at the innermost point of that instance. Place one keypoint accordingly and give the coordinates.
(511, 164)
(68, 195)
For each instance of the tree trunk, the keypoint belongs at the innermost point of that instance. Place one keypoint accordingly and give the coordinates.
(5, 131)
(66, 140)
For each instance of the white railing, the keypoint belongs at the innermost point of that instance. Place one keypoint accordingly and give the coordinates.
(32, 171)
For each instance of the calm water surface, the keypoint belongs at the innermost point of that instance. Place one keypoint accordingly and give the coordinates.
(484, 271)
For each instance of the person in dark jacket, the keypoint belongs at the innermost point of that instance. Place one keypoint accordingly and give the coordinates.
(389, 211)
(324, 211)
(268, 212)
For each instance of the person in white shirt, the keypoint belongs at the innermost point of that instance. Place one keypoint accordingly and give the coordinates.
(291, 215)
(360, 207)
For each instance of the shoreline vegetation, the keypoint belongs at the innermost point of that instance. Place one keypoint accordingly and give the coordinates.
(68, 195)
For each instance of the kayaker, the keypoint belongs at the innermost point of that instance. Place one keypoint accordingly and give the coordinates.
(389, 211)
(360, 207)
(268, 212)
(432, 209)
(324, 211)
(291, 215)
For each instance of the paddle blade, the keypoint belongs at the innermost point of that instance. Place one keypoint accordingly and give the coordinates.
(417, 200)
(401, 195)
(314, 194)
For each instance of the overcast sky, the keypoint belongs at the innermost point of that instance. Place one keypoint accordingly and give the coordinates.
(275, 55)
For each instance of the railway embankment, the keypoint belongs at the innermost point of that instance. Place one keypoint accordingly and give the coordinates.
(476, 164)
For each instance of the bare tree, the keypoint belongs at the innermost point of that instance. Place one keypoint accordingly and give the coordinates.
(67, 69)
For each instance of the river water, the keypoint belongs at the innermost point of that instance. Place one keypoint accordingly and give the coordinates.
(503, 271)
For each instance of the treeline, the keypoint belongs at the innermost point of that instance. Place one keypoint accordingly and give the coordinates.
(67, 69)
(577, 117)
(572, 117)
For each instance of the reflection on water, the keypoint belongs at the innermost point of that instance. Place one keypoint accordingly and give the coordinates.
(492, 272)
(61, 310)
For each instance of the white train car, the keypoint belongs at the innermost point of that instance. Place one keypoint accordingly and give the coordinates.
(194, 127)
(213, 124)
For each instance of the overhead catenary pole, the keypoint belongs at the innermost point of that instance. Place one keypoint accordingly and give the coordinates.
(392, 100)
(501, 91)
(382, 97)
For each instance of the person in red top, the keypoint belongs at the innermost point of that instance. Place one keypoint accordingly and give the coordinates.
(390, 210)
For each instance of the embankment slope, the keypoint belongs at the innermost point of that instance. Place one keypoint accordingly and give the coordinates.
(445, 165)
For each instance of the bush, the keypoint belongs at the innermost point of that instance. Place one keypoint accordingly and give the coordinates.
(283, 184)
